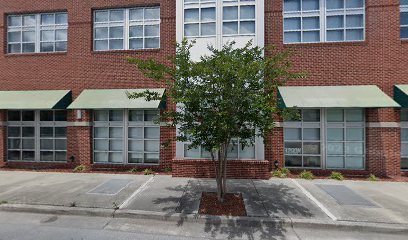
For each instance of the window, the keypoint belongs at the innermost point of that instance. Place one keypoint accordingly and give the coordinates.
(126, 137)
(308, 21)
(344, 142)
(37, 136)
(404, 19)
(127, 29)
(199, 18)
(238, 17)
(44, 32)
(404, 139)
(302, 140)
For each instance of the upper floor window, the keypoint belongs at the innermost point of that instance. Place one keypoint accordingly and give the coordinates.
(127, 29)
(202, 18)
(308, 21)
(404, 18)
(43, 32)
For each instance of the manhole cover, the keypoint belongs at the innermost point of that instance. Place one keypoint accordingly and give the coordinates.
(345, 196)
(111, 187)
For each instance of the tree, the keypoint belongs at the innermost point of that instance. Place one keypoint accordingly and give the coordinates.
(228, 96)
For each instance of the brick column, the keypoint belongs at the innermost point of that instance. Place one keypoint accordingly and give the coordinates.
(3, 138)
(79, 135)
(274, 148)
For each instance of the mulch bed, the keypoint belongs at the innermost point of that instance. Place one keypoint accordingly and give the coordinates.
(233, 205)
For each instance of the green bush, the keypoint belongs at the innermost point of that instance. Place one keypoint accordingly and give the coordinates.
(308, 175)
(148, 171)
(80, 168)
(372, 178)
(281, 173)
(336, 176)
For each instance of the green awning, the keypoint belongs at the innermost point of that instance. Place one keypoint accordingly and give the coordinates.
(115, 99)
(367, 96)
(401, 95)
(42, 99)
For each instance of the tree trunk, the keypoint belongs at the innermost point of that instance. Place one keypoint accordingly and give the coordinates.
(221, 173)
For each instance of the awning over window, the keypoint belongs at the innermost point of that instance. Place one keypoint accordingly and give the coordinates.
(367, 96)
(115, 99)
(42, 99)
(401, 95)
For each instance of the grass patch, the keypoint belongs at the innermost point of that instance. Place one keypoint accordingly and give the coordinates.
(148, 171)
(3, 202)
(134, 170)
(80, 168)
(308, 175)
(372, 178)
(281, 173)
(336, 176)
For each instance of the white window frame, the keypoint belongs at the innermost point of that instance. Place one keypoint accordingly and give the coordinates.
(37, 124)
(125, 124)
(199, 5)
(403, 9)
(37, 28)
(323, 13)
(404, 125)
(126, 24)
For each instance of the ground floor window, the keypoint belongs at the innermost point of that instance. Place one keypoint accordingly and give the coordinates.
(326, 138)
(126, 136)
(404, 139)
(37, 136)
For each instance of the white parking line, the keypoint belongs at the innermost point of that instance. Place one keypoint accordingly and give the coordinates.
(319, 204)
(139, 190)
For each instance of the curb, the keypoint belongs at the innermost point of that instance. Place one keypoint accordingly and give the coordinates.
(197, 218)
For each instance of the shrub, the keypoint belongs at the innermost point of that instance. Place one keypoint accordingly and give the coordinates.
(134, 170)
(308, 175)
(281, 173)
(372, 178)
(336, 176)
(148, 171)
(80, 168)
(3, 202)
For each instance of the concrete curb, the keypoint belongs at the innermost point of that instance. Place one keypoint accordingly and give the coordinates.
(180, 217)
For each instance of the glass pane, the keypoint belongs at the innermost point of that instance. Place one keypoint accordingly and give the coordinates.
(60, 156)
(355, 134)
(247, 27)
(151, 158)
(311, 115)
(404, 134)
(27, 116)
(101, 45)
(116, 157)
(337, 35)
(335, 134)
(136, 14)
(292, 24)
(355, 162)
(152, 13)
(13, 155)
(311, 161)
(101, 157)
(13, 115)
(47, 47)
(191, 29)
(404, 149)
(101, 16)
(404, 18)
(335, 21)
(136, 43)
(136, 116)
(404, 163)
(354, 21)
(354, 115)
(151, 115)
(335, 162)
(334, 4)
(116, 32)
(293, 161)
(247, 153)
(292, 134)
(115, 145)
(14, 144)
(60, 116)
(354, 148)
(47, 132)
(47, 19)
(152, 30)
(61, 18)
(152, 43)
(208, 14)
(230, 28)
(233, 151)
(116, 16)
(247, 12)
(136, 31)
(355, 35)
(60, 132)
(191, 153)
(116, 44)
(47, 116)
(13, 132)
(311, 133)
(230, 13)
(136, 146)
(116, 115)
(115, 132)
(334, 148)
(14, 48)
(28, 144)
(101, 115)
(28, 47)
(291, 5)
(152, 146)
(29, 36)
(293, 148)
(311, 23)
(135, 158)
(313, 36)
(191, 15)
(101, 145)
(152, 132)
(14, 37)
(208, 29)
(335, 115)
(404, 2)
(14, 21)
(354, 3)
(61, 35)
(60, 144)
(28, 155)
(47, 144)
(311, 148)
(292, 37)
(28, 131)
(309, 5)
(47, 156)
(136, 132)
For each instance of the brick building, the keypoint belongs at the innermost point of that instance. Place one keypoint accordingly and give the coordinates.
(64, 79)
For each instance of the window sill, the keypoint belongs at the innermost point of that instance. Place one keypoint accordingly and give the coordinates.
(153, 50)
(39, 54)
(404, 41)
(326, 44)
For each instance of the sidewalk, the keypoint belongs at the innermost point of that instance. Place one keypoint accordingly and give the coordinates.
(381, 205)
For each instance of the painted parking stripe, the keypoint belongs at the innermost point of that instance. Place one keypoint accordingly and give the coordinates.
(139, 190)
(319, 204)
